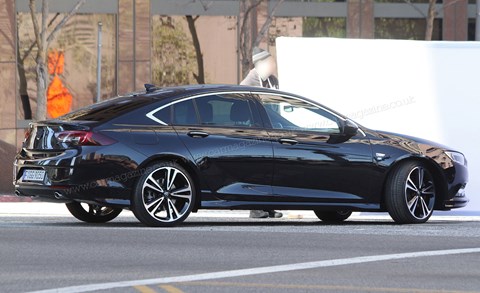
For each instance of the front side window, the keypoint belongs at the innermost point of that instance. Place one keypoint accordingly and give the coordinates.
(231, 110)
(295, 114)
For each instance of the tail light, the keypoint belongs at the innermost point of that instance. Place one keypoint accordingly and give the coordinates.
(83, 138)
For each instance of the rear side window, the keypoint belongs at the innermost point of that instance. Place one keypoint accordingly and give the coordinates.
(232, 110)
(164, 115)
(184, 113)
(226, 110)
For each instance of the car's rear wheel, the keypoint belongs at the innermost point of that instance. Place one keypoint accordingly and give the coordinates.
(164, 196)
(92, 213)
(333, 216)
(410, 193)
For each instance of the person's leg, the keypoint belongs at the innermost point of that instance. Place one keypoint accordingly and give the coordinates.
(259, 214)
(274, 214)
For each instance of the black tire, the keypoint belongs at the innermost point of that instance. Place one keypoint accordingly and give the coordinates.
(406, 203)
(333, 216)
(164, 195)
(94, 214)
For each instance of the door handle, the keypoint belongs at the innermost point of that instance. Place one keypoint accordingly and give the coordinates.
(289, 141)
(197, 134)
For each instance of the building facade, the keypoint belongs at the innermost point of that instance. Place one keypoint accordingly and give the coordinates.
(145, 41)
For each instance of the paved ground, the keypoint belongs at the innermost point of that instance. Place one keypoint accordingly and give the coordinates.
(42, 247)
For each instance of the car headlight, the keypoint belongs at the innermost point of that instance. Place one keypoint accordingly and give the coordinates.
(457, 157)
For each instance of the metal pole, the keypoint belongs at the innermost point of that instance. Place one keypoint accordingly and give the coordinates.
(99, 62)
(477, 21)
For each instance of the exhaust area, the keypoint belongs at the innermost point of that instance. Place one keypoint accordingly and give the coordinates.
(58, 195)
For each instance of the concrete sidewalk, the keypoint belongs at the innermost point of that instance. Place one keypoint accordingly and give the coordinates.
(43, 209)
(13, 198)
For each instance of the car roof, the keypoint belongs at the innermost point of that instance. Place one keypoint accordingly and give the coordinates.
(187, 90)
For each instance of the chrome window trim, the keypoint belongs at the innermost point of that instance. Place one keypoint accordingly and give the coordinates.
(313, 104)
(151, 114)
(296, 98)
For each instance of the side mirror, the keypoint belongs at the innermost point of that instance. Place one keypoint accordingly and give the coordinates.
(350, 128)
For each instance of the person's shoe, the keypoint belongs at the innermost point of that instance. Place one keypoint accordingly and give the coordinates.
(274, 214)
(258, 214)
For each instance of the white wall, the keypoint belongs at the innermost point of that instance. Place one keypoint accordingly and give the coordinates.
(425, 89)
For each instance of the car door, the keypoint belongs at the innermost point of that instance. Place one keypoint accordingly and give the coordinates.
(225, 136)
(313, 160)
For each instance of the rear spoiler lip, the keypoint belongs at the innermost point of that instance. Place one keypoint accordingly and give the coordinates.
(79, 125)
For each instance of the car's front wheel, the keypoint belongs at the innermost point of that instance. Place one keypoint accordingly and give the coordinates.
(333, 216)
(92, 213)
(410, 193)
(164, 195)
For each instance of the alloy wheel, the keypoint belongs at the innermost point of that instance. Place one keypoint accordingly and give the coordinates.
(420, 193)
(97, 210)
(167, 194)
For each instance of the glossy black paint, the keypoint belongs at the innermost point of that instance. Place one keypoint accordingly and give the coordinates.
(233, 167)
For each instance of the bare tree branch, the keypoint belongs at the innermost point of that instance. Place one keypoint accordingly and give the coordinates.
(43, 31)
(432, 13)
(243, 46)
(266, 24)
(29, 50)
(206, 5)
(43, 41)
(36, 27)
(57, 28)
(200, 77)
(414, 6)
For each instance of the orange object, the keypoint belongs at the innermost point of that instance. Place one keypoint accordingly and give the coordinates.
(59, 99)
(56, 62)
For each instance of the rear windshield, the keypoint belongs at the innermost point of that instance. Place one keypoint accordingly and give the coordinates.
(107, 109)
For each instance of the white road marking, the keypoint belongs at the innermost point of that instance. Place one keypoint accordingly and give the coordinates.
(259, 270)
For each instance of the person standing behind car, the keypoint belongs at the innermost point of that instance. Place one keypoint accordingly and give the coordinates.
(262, 75)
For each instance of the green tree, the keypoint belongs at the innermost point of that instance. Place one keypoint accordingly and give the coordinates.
(324, 27)
(174, 58)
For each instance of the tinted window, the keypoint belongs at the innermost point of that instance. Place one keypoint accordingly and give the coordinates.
(107, 109)
(225, 110)
(184, 113)
(294, 114)
(164, 115)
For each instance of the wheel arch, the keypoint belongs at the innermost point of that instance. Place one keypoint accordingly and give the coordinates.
(436, 171)
(189, 166)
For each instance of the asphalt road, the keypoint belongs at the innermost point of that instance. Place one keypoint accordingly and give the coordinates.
(42, 252)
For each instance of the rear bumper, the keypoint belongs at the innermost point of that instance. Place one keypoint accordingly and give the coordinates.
(47, 194)
(97, 195)
(101, 175)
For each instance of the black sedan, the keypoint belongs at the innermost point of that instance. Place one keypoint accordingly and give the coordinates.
(167, 152)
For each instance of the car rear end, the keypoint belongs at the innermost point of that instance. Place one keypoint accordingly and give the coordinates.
(74, 158)
(46, 166)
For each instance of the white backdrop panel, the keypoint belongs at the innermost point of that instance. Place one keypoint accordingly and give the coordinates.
(425, 89)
